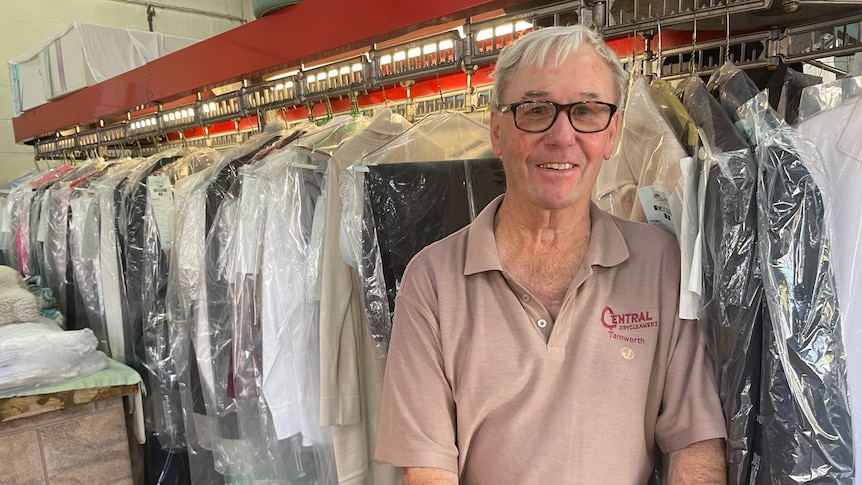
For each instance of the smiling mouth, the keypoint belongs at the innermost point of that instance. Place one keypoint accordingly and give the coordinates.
(557, 166)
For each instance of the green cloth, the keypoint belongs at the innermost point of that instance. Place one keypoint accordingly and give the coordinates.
(116, 374)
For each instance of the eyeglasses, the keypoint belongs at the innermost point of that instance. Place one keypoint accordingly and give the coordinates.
(537, 116)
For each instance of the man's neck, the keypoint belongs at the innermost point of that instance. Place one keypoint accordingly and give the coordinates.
(543, 230)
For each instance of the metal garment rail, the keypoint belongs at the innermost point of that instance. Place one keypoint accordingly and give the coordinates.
(354, 83)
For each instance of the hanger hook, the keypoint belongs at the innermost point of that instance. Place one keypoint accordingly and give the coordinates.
(726, 33)
(691, 62)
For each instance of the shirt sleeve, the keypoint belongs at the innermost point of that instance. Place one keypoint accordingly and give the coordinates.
(417, 420)
(690, 410)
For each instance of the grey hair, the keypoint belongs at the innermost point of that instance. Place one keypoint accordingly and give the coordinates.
(532, 51)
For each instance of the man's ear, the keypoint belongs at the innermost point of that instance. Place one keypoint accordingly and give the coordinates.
(495, 131)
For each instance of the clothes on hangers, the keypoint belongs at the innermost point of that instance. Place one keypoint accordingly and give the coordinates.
(351, 371)
(732, 299)
(651, 178)
(832, 120)
(806, 407)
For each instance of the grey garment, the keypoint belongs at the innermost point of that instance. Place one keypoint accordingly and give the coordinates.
(733, 287)
(84, 259)
(56, 240)
(805, 403)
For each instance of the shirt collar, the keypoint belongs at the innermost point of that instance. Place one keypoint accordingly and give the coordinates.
(607, 245)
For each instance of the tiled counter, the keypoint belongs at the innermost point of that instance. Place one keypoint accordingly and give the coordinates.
(80, 444)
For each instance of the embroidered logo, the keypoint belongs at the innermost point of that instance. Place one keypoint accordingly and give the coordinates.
(619, 323)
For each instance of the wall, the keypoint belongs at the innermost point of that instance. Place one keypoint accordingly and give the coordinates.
(25, 23)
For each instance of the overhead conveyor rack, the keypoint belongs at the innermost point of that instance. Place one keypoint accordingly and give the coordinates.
(321, 57)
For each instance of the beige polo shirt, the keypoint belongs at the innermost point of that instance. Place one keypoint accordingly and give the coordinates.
(480, 381)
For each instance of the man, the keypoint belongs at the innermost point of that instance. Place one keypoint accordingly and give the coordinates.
(541, 344)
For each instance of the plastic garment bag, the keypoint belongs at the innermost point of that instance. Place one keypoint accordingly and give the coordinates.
(84, 258)
(199, 312)
(418, 188)
(41, 353)
(351, 376)
(291, 357)
(132, 234)
(677, 116)
(185, 298)
(733, 88)
(22, 231)
(831, 117)
(733, 288)
(264, 456)
(290, 350)
(158, 236)
(650, 178)
(56, 234)
(806, 414)
(110, 268)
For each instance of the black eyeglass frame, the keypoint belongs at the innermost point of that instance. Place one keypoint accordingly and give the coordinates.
(559, 107)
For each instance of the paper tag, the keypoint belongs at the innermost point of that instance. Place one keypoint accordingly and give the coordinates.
(161, 198)
(657, 208)
(42, 232)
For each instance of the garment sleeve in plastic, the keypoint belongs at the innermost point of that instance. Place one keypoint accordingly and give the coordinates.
(650, 178)
(289, 325)
(806, 407)
(56, 235)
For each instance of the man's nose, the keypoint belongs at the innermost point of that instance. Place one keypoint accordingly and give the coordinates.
(562, 125)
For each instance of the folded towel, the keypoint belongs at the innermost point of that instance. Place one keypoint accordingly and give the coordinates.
(9, 278)
(18, 305)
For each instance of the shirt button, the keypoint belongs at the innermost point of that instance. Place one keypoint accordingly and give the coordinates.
(525, 297)
(542, 323)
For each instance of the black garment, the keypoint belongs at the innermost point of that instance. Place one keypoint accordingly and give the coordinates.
(132, 227)
(167, 404)
(411, 205)
(221, 207)
(733, 287)
(806, 406)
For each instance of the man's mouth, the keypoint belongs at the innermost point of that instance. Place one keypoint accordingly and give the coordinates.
(557, 166)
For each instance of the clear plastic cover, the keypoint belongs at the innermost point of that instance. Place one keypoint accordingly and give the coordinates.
(677, 116)
(41, 353)
(57, 235)
(84, 259)
(158, 237)
(651, 178)
(806, 413)
(418, 188)
(186, 303)
(827, 96)
(350, 366)
(733, 88)
(290, 350)
(111, 277)
(831, 115)
(733, 289)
